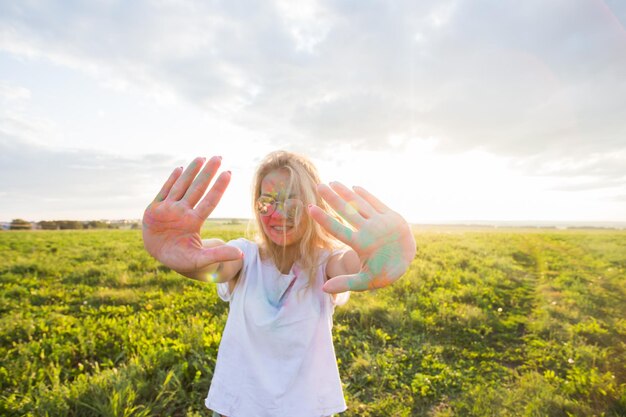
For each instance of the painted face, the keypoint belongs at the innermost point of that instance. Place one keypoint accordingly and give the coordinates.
(285, 225)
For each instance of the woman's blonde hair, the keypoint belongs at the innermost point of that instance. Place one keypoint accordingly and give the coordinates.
(303, 181)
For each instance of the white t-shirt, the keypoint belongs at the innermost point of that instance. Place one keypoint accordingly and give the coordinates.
(276, 357)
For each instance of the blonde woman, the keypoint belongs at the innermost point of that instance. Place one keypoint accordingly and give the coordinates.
(276, 356)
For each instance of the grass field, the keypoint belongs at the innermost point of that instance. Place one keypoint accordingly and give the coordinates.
(485, 323)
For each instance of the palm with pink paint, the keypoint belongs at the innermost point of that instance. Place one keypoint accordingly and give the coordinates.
(172, 221)
(381, 237)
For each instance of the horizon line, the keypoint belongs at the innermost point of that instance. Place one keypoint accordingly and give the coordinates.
(465, 222)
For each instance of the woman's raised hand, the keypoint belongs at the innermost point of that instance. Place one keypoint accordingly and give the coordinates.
(172, 221)
(381, 237)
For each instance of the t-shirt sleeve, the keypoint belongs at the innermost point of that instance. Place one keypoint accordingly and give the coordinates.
(341, 298)
(222, 287)
(222, 291)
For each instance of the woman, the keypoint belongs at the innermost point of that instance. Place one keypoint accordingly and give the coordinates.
(276, 357)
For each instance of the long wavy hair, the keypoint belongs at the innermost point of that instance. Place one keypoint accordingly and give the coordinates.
(303, 181)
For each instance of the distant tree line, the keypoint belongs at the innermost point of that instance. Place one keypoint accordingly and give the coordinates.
(72, 224)
(21, 224)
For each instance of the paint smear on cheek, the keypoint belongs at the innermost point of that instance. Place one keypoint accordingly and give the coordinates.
(265, 220)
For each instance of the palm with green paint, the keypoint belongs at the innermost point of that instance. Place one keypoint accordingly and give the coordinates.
(381, 237)
(172, 221)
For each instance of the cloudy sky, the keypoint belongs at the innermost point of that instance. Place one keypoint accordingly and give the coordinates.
(447, 110)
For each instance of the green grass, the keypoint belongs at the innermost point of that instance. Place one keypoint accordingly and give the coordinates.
(484, 323)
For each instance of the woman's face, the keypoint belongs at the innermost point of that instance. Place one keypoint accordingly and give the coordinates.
(280, 227)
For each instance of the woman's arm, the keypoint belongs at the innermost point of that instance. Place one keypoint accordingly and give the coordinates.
(344, 263)
(227, 271)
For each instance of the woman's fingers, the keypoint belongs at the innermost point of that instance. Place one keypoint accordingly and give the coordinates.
(202, 181)
(376, 203)
(353, 199)
(345, 209)
(343, 283)
(182, 183)
(338, 230)
(209, 202)
(168, 185)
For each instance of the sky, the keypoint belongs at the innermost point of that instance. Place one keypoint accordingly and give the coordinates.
(445, 110)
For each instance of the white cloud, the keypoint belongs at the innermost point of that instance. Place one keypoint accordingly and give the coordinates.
(515, 79)
(540, 84)
(36, 179)
(13, 94)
